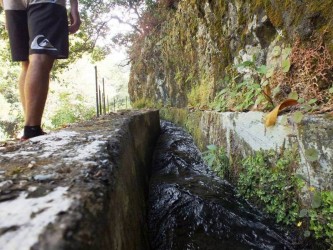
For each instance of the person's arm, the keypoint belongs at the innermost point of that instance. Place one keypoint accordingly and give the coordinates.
(74, 17)
(1, 5)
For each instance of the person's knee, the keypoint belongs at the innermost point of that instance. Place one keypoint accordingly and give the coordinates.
(42, 61)
(25, 65)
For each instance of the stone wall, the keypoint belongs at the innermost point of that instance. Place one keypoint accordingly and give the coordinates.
(84, 187)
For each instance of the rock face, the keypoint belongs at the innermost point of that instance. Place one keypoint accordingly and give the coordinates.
(197, 48)
(84, 187)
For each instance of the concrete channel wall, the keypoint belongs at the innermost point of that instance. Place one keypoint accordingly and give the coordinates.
(242, 134)
(245, 132)
(84, 187)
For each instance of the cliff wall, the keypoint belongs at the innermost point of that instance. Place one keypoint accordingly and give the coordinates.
(234, 55)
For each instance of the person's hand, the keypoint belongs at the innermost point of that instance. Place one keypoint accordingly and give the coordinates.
(75, 21)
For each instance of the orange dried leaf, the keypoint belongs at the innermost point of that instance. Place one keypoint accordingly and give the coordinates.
(272, 116)
(267, 91)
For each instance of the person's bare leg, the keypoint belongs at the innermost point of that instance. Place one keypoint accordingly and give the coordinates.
(36, 87)
(23, 74)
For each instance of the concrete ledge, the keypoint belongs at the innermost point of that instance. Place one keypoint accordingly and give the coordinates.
(84, 187)
(244, 133)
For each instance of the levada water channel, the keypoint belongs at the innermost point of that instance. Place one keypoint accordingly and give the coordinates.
(191, 208)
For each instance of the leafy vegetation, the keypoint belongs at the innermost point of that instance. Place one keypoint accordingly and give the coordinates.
(318, 218)
(72, 109)
(321, 215)
(10, 107)
(217, 159)
(312, 66)
(238, 96)
(265, 178)
(270, 180)
(191, 34)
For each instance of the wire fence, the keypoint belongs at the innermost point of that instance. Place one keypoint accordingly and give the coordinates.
(105, 104)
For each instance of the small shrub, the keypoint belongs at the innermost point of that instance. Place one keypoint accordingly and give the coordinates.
(319, 216)
(271, 180)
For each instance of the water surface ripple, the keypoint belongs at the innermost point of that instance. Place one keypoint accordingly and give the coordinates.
(191, 208)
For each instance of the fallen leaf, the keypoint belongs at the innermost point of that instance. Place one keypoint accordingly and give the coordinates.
(272, 116)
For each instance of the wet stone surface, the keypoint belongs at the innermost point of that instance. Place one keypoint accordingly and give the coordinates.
(191, 208)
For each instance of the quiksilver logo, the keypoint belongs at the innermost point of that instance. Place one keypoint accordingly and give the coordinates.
(41, 42)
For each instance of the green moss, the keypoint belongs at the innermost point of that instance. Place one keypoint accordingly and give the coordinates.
(192, 125)
(188, 120)
(144, 103)
(177, 116)
(199, 95)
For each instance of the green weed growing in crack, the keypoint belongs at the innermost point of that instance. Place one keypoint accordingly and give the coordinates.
(217, 159)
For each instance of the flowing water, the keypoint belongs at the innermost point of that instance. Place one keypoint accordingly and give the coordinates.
(191, 208)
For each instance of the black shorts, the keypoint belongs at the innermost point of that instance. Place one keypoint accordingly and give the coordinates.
(41, 29)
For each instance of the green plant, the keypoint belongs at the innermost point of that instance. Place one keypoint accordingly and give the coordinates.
(217, 159)
(221, 100)
(320, 215)
(305, 107)
(71, 110)
(242, 95)
(249, 90)
(271, 180)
